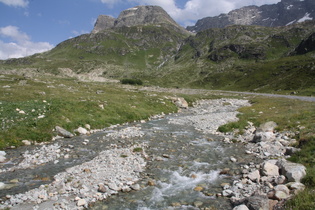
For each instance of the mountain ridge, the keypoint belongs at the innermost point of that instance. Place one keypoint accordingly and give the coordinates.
(283, 13)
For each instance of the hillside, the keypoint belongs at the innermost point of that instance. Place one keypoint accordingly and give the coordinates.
(284, 13)
(247, 58)
(154, 49)
(139, 40)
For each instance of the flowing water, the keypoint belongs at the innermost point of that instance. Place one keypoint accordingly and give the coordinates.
(183, 168)
(181, 160)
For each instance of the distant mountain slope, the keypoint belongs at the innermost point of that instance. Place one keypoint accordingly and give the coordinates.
(283, 13)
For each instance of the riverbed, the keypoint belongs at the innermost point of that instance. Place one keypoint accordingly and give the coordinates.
(175, 161)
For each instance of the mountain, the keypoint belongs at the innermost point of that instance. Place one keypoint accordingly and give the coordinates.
(283, 13)
(246, 58)
(140, 39)
(140, 15)
(144, 43)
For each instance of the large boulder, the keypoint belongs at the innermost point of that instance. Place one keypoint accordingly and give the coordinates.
(265, 132)
(269, 169)
(180, 102)
(257, 202)
(293, 171)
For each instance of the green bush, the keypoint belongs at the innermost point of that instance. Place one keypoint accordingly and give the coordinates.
(131, 81)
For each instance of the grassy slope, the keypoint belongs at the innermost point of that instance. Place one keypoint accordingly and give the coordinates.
(69, 104)
(262, 63)
(119, 52)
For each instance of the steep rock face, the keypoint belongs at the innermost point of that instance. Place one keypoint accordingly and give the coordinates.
(137, 16)
(283, 13)
(103, 22)
(143, 15)
(306, 46)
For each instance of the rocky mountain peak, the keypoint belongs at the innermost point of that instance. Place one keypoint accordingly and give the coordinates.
(283, 13)
(140, 15)
(103, 22)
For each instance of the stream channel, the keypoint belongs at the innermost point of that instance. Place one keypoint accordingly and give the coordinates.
(180, 158)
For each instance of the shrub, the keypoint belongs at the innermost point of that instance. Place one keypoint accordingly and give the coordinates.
(131, 81)
(137, 149)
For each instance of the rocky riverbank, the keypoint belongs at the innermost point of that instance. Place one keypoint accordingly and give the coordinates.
(119, 167)
(111, 171)
(269, 184)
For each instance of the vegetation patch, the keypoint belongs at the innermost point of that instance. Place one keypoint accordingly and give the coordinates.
(131, 82)
(137, 149)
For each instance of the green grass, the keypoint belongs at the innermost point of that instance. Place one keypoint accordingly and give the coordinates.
(287, 113)
(48, 102)
(305, 199)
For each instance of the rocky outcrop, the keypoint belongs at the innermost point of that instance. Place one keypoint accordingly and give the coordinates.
(103, 22)
(283, 13)
(137, 16)
(307, 45)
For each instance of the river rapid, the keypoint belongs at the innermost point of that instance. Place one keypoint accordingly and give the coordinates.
(175, 161)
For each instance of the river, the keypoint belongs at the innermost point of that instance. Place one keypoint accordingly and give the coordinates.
(184, 158)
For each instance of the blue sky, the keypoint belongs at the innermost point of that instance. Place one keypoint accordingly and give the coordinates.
(32, 26)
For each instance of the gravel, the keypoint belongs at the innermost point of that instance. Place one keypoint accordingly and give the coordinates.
(111, 171)
(209, 115)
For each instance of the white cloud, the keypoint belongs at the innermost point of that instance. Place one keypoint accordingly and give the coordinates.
(21, 44)
(111, 3)
(15, 3)
(78, 33)
(196, 9)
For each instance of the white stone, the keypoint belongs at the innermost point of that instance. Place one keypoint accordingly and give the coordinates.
(227, 193)
(113, 186)
(254, 175)
(240, 207)
(82, 131)
(2, 159)
(280, 195)
(136, 187)
(2, 185)
(26, 142)
(297, 186)
(269, 169)
(81, 202)
(282, 188)
(87, 126)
